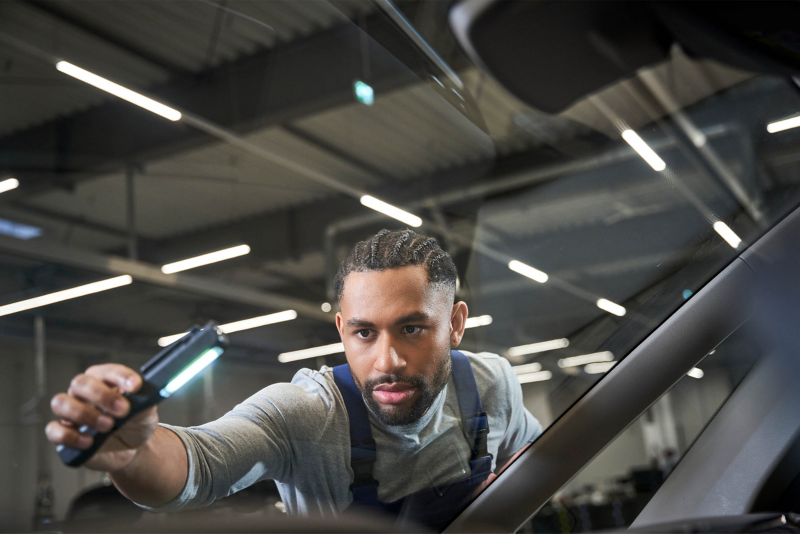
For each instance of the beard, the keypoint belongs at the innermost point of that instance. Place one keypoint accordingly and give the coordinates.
(429, 389)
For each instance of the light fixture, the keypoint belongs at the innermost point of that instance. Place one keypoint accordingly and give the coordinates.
(727, 234)
(238, 326)
(534, 377)
(326, 307)
(642, 148)
(611, 307)
(117, 90)
(66, 294)
(786, 124)
(599, 367)
(527, 368)
(19, 230)
(313, 352)
(583, 359)
(364, 93)
(205, 259)
(393, 212)
(8, 184)
(481, 320)
(192, 369)
(694, 372)
(542, 346)
(527, 270)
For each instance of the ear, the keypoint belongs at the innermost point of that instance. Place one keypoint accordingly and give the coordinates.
(339, 324)
(458, 321)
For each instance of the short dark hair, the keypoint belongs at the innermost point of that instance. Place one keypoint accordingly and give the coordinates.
(394, 249)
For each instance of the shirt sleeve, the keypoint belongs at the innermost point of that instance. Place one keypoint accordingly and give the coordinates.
(254, 441)
(522, 427)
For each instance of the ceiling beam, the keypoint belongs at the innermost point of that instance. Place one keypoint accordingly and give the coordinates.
(144, 272)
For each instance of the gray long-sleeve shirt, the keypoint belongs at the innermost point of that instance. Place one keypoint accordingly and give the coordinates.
(298, 435)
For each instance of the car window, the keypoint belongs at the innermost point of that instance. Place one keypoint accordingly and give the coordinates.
(611, 490)
(207, 160)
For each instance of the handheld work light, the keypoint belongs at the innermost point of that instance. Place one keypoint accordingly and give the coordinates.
(161, 377)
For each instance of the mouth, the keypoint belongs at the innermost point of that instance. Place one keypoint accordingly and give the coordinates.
(393, 393)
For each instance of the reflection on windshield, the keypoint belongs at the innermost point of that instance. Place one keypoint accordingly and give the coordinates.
(418, 272)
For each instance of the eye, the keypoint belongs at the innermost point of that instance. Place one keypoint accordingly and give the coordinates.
(410, 329)
(363, 333)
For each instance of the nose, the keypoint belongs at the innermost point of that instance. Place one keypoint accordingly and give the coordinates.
(388, 361)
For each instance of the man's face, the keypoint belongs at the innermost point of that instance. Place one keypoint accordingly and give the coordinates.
(397, 331)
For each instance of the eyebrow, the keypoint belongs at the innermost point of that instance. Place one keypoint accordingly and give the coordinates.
(410, 318)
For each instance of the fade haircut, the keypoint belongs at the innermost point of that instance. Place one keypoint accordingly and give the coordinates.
(394, 249)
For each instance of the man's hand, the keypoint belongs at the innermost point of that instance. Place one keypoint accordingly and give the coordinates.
(93, 399)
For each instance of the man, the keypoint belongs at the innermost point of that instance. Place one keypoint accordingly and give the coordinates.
(409, 427)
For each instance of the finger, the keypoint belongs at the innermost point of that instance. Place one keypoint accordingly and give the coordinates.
(79, 413)
(113, 373)
(58, 433)
(91, 389)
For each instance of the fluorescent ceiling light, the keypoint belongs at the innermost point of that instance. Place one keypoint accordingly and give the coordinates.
(313, 352)
(727, 234)
(66, 294)
(574, 361)
(19, 230)
(611, 307)
(527, 368)
(641, 148)
(694, 372)
(191, 370)
(205, 259)
(8, 185)
(534, 377)
(786, 124)
(117, 90)
(391, 211)
(599, 368)
(527, 270)
(481, 320)
(237, 326)
(542, 346)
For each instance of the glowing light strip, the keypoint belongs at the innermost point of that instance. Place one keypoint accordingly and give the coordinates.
(527, 270)
(611, 307)
(481, 320)
(8, 185)
(534, 348)
(66, 294)
(727, 234)
(534, 377)
(694, 372)
(527, 368)
(205, 259)
(583, 359)
(599, 368)
(117, 90)
(238, 326)
(392, 211)
(191, 370)
(644, 150)
(786, 124)
(313, 352)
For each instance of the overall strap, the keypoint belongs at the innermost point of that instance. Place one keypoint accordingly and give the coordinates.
(475, 423)
(362, 446)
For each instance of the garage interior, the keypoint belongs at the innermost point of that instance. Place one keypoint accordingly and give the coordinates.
(274, 150)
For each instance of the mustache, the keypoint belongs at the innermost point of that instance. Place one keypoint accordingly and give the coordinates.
(413, 381)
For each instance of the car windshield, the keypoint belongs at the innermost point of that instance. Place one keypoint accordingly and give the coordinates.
(166, 164)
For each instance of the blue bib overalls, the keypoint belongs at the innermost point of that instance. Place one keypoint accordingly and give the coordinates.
(432, 507)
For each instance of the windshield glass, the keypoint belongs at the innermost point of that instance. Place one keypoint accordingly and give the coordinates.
(303, 156)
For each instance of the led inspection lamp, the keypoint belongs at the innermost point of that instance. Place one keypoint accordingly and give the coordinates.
(161, 377)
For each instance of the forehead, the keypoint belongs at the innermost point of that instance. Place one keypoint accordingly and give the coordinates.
(391, 292)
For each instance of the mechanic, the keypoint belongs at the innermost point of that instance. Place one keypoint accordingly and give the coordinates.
(408, 426)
